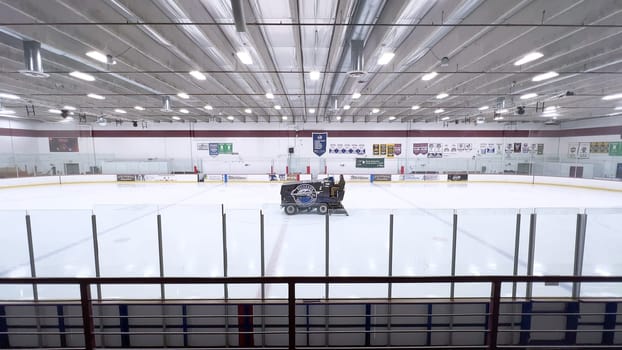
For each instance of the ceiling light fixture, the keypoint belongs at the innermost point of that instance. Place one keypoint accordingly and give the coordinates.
(120, 111)
(230, 117)
(356, 95)
(208, 107)
(103, 58)
(392, 117)
(429, 76)
(618, 108)
(96, 96)
(385, 58)
(67, 118)
(248, 111)
(284, 117)
(183, 95)
(415, 107)
(175, 117)
(197, 75)
(483, 108)
(314, 75)
(269, 95)
(69, 108)
(545, 76)
(311, 110)
(528, 96)
(498, 118)
(184, 111)
(277, 107)
(440, 110)
(55, 111)
(82, 76)
(346, 107)
(139, 108)
(6, 111)
(375, 110)
(441, 96)
(532, 56)
(444, 118)
(245, 57)
(338, 117)
(550, 109)
(102, 121)
(612, 97)
(9, 96)
(503, 111)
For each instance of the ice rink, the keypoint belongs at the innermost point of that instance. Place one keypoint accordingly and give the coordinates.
(295, 245)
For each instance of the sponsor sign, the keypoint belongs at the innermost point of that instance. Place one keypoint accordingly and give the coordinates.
(615, 148)
(129, 177)
(382, 177)
(203, 146)
(63, 144)
(417, 177)
(370, 162)
(458, 177)
(225, 148)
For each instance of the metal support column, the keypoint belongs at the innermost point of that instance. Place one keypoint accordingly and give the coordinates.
(493, 317)
(390, 288)
(87, 316)
(291, 314)
(579, 250)
(516, 252)
(453, 253)
(531, 253)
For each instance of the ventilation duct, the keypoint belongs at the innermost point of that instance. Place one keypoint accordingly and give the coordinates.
(32, 60)
(238, 15)
(356, 54)
(166, 104)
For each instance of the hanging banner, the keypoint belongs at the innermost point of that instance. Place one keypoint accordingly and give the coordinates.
(573, 149)
(390, 150)
(397, 149)
(213, 149)
(319, 143)
(420, 149)
(599, 147)
(584, 150)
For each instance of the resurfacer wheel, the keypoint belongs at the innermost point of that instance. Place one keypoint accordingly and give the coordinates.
(322, 209)
(290, 209)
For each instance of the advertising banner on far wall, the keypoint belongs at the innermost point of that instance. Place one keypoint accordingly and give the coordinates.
(63, 144)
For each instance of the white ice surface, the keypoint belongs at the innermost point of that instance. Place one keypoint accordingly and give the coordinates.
(295, 245)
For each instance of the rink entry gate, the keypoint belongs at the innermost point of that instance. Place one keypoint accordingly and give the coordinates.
(492, 314)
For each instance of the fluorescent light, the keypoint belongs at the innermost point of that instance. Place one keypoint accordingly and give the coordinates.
(480, 121)
(184, 111)
(277, 107)
(346, 107)
(139, 108)
(392, 117)
(208, 107)
(284, 117)
(175, 117)
(528, 96)
(98, 56)
(429, 76)
(245, 57)
(9, 96)
(55, 111)
(356, 95)
(618, 108)
(550, 115)
(612, 97)
(69, 108)
(483, 108)
(82, 76)
(183, 95)
(67, 119)
(445, 118)
(197, 75)
(7, 111)
(314, 75)
(120, 111)
(440, 110)
(498, 118)
(311, 110)
(385, 58)
(545, 76)
(248, 110)
(269, 95)
(101, 121)
(532, 56)
(375, 110)
(415, 107)
(230, 117)
(441, 96)
(503, 111)
(338, 117)
(96, 96)
(550, 109)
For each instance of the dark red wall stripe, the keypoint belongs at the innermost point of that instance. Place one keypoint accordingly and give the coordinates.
(613, 130)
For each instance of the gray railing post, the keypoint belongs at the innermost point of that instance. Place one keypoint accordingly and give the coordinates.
(291, 314)
(531, 253)
(453, 253)
(579, 251)
(493, 317)
(516, 252)
(87, 316)
(96, 254)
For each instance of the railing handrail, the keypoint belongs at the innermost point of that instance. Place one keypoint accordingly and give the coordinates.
(311, 279)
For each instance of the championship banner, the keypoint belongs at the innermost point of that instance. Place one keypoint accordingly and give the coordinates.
(573, 149)
(584, 150)
(540, 149)
(213, 149)
(599, 147)
(319, 143)
(63, 144)
(397, 149)
(390, 150)
(420, 149)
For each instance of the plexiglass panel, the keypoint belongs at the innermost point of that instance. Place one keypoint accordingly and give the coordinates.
(14, 258)
(243, 250)
(603, 239)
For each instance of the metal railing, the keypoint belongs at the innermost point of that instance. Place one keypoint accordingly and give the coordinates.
(493, 314)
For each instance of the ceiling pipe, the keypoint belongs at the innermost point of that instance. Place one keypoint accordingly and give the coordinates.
(357, 59)
(166, 104)
(32, 60)
(238, 15)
